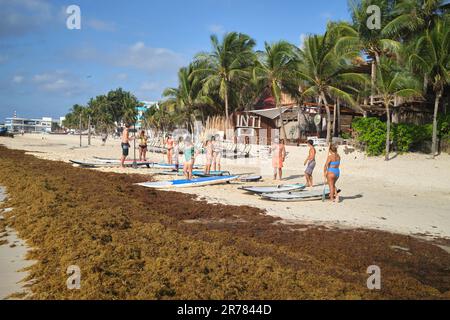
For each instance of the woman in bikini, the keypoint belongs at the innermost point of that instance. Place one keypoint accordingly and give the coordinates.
(278, 157)
(332, 172)
(217, 153)
(189, 158)
(169, 146)
(209, 156)
(143, 146)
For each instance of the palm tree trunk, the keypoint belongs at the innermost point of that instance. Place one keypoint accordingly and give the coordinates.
(324, 99)
(334, 119)
(226, 112)
(283, 129)
(388, 131)
(436, 110)
(338, 105)
(373, 80)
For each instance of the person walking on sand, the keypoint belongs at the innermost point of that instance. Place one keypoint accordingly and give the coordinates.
(104, 137)
(310, 162)
(332, 172)
(278, 157)
(169, 146)
(189, 153)
(125, 144)
(143, 147)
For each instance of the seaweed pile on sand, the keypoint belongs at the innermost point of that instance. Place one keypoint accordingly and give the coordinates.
(135, 243)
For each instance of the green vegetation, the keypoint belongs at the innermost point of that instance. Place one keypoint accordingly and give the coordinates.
(405, 137)
(106, 111)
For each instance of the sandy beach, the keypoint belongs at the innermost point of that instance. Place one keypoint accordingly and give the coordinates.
(408, 195)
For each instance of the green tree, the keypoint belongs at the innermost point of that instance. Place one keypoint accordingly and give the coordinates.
(188, 96)
(372, 42)
(392, 82)
(326, 70)
(411, 17)
(276, 69)
(432, 56)
(228, 62)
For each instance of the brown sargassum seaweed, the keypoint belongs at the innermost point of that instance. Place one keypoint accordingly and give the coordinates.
(135, 243)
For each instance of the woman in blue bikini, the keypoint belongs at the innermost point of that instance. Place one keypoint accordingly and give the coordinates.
(332, 172)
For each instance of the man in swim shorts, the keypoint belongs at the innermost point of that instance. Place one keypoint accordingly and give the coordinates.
(311, 164)
(125, 144)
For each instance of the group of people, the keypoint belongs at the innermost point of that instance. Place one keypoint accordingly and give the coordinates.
(331, 168)
(212, 148)
(213, 153)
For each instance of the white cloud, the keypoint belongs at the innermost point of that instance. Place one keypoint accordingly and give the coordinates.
(20, 17)
(122, 76)
(216, 28)
(100, 25)
(140, 56)
(59, 82)
(18, 79)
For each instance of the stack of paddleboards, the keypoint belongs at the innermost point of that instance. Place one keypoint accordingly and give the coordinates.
(188, 183)
(288, 192)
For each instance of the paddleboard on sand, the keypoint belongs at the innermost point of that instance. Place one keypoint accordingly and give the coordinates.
(274, 189)
(188, 183)
(108, 164)
(250, 178)
(296, 196)
(151, 164)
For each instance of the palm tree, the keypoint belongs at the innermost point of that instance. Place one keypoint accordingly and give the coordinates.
(432, 56)
(276, 69)
(228, 62)
(188, 96)
(326, 70)
(392, 82)
(372, 42)
(413, 16)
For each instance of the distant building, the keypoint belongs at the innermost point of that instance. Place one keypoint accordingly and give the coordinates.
(29, 125)
(141, 111)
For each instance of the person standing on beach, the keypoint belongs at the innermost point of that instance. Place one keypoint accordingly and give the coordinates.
(104, 137)
(332, 172)
(189, 153)
(311, 164)
(217, 154)
(125, 144)
(209, 156)
(169, 146)
(278, 157)
(143, 146)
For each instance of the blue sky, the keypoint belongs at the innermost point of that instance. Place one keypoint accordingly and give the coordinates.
(137, 44)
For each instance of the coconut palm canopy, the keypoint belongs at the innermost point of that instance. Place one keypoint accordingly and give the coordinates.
(343, 64)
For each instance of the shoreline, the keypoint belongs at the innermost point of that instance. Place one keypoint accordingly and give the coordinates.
(12, 261)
